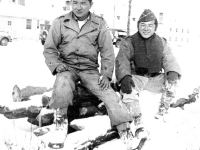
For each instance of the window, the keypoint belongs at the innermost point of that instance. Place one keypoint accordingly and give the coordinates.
(161, 18)
(38, 23)
(187, 40)
(21, 2)
(176, 39)
(169, 38)
(9, 23)
(28, 23)
(182, 30)
(188, 31)
(181, 39)
(170, 29)
(176, 29)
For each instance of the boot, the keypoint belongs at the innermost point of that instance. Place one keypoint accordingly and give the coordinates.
(127, 137)
(162, 110)
(61, 129)
(140, 131)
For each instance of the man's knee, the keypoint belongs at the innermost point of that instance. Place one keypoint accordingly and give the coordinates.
(64, 81)
(63, 77)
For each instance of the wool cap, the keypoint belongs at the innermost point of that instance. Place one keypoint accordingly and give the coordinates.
(147, 15)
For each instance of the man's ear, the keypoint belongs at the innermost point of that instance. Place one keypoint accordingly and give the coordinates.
(91, 4)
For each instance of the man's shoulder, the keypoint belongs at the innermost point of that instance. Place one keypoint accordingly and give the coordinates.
(64, 17)
(162, 38)
(97, 19)
(61, 17)
(126, 40)
(95, 16)
(129, 37)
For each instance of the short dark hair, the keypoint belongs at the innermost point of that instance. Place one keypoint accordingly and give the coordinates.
(90, 1)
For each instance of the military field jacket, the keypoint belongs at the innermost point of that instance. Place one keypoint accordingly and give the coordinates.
(79, 48)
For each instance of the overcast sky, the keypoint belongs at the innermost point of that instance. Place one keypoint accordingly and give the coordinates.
(179, 9)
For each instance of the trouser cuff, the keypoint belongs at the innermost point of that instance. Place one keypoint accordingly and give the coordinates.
(123, 126)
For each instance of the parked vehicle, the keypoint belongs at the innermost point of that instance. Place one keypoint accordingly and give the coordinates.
(118, 35)
(44, 32)
(5, 37)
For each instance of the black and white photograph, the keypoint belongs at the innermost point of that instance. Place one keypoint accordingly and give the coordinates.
(99, 75)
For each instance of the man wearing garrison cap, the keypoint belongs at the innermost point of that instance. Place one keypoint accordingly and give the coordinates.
(145, 62)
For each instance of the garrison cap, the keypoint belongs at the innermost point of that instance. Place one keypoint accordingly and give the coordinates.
(146, 16)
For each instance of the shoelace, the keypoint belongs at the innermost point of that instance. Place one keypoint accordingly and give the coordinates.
(59, 121)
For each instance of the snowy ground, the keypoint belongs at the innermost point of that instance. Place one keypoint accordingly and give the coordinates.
(22, 64)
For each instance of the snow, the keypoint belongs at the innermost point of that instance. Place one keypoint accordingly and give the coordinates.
(22, 63)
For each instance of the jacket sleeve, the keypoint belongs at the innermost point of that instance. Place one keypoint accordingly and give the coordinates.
(52, 42)
(106, 51)
(123, 59)
(169, 61)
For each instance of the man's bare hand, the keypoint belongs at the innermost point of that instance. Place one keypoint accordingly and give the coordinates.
(104, 83)
(61, 68)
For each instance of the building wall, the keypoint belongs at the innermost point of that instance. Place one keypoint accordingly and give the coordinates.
(35, 10)
(115, 12)
(118, 19)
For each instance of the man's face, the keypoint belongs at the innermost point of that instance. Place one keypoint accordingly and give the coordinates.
(147, 29)
(81, 8)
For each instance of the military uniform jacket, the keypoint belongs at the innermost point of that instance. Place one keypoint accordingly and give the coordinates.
(125, 64)
(79, 48)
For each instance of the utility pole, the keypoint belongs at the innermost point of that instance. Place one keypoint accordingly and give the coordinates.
(129, 15)
(114, 1)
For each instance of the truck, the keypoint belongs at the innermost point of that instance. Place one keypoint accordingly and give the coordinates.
(44, 29)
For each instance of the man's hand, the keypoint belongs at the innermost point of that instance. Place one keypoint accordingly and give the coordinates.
(61, 68)
(127, 84)
(172, 76)
(104, 83)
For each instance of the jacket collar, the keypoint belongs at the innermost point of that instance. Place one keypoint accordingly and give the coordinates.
(71, 22)
(147, 39)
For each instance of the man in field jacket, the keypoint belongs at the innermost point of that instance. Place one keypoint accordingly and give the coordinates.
(71, 52)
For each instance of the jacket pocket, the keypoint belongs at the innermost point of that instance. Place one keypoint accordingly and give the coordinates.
(93, 36)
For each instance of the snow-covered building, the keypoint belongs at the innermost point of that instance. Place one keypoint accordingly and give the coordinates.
(23, 18)
(174, 22)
